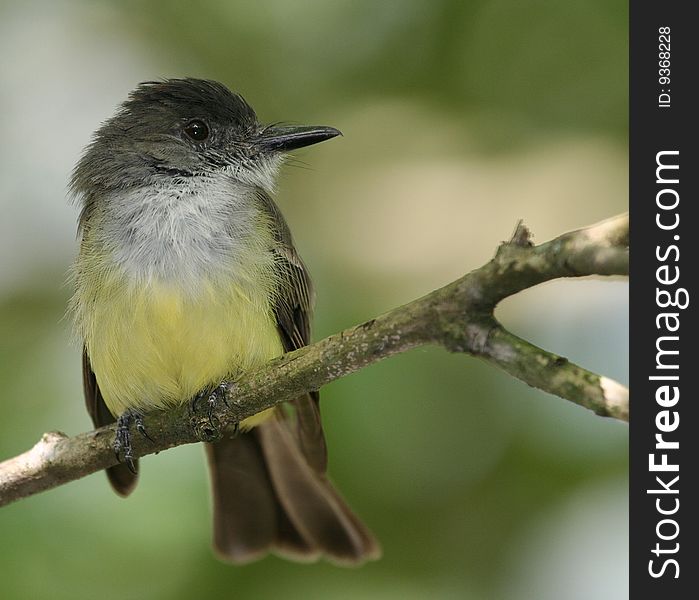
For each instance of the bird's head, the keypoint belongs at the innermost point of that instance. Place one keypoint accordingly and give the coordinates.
(183, 128)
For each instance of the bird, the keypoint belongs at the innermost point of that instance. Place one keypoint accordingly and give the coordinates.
(187, 276)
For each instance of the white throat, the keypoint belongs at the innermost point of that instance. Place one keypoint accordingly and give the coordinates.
(185, 230)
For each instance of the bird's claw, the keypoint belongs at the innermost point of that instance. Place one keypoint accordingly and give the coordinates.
(123, 448)
(213, 397)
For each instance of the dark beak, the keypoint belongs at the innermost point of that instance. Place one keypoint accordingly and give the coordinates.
(282, 138)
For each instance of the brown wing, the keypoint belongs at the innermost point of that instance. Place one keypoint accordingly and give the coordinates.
(292, 309)
(122, 479)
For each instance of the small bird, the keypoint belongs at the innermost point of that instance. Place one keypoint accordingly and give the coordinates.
(186, 277)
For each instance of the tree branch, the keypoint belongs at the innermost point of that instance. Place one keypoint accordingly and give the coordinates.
(459, 317)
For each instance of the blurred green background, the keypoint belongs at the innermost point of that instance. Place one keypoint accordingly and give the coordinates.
(459, 119)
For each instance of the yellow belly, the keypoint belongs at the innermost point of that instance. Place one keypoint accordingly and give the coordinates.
(158, 345)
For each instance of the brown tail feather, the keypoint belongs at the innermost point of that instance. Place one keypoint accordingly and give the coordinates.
(311, 503)
(268, 498)
(289, 543)
(309, 431)
(245, 509)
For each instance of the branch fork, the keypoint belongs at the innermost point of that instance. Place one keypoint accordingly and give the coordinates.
(459, 317)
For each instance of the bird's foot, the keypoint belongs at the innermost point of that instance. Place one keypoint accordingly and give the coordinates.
(122, 441)
(206, 402)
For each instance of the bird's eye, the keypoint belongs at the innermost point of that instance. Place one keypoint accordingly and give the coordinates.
(197, 130)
